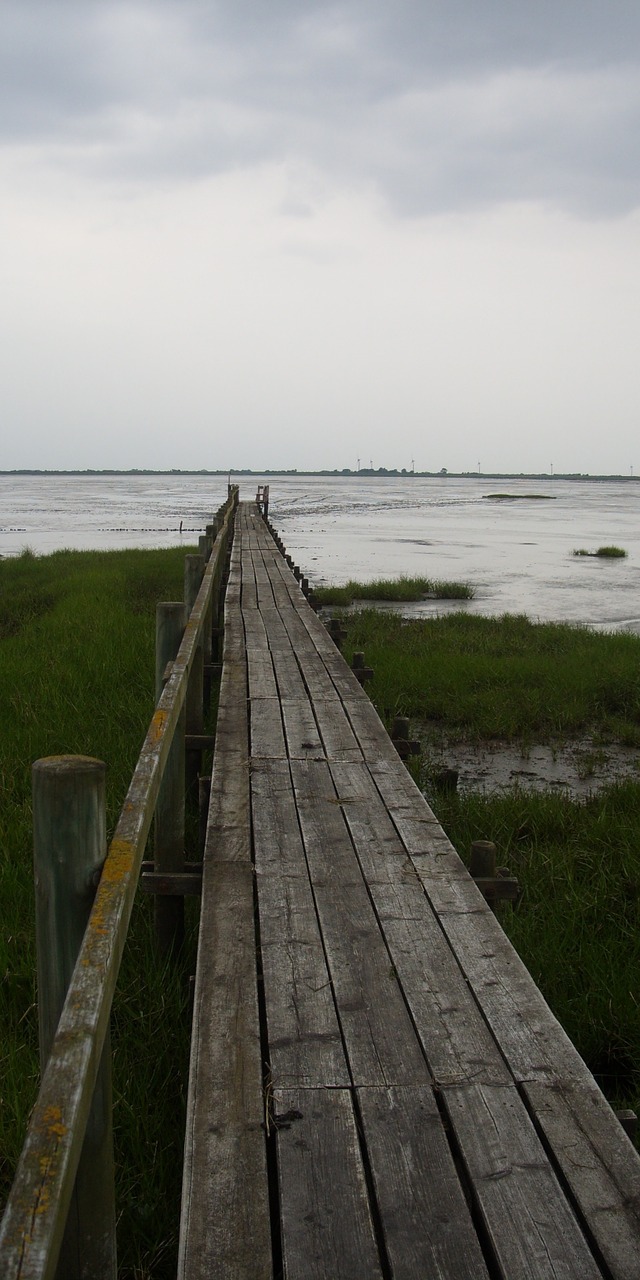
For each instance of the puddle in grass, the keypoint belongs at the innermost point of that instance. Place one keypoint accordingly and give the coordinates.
(577, 768)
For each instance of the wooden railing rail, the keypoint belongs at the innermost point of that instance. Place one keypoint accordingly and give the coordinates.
(34, 1220)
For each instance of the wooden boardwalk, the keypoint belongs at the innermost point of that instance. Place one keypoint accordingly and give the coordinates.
(377, 1087)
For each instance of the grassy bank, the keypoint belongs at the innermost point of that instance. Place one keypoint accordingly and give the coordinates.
(76, 675)
(577, 925)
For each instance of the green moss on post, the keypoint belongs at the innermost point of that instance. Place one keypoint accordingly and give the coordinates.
(69, 841)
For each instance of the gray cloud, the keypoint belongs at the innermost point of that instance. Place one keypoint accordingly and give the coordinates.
(439, 105)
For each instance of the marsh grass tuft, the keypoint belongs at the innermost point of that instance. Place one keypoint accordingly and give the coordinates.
(394, 590)
(604, 553)
(519, 497)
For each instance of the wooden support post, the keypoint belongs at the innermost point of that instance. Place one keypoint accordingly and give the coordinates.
(193, 574)
(362, 672)
(494, 882)
(484, 859)
(70, 844)
(336, 631)
(400, 738)
(400, 729)
(169, 814)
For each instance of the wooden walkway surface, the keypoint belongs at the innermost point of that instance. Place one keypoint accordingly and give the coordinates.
(377, 1087)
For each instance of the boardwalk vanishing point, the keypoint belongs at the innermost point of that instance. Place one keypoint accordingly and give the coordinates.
(377, 1087)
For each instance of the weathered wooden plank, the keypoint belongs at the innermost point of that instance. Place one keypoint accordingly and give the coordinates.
(249, 593)
(301, 730)
(228, 833)
(600, 1165)
(275, 628)
(316, 677)
(342, 676)
(283, 591)
(262, 680)
(305, 1046)
(531, 1226)
(338, 738)
(533, 1043)
(267, 733)
(263, 584)
(370, 732)
(380, 1041)
(225, 1226)
(425, 1219)
(290, 682)
(254, 629)
(325, 1216)
(455, 1038)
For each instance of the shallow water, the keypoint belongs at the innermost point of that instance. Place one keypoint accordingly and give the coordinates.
(517, 554)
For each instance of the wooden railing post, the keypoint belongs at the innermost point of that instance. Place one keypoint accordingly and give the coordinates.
(169, 814)
(193, 575)
(70, 843)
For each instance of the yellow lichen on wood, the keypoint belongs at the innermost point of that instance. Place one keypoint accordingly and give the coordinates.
(52, 1121)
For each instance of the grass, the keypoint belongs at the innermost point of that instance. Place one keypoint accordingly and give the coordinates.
(604, 553)
(502, 677)
(393, 590)
(577, 926)
(77, 676)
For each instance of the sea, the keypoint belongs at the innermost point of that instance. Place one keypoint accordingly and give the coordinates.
(512, 540)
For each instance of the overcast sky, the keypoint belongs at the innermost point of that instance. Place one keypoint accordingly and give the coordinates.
(284, 233)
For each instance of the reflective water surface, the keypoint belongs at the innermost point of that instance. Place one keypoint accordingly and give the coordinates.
(516, 551)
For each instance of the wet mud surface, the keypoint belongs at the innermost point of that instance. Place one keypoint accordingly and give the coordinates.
(576, 768)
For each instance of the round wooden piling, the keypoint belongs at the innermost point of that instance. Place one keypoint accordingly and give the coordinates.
(483, 861)
(70, 844)
(399, 728)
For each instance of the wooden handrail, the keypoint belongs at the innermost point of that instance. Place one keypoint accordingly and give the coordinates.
(35, 1215)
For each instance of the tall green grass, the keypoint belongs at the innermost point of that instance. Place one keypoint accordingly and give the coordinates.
(77, 676)
(501, 677)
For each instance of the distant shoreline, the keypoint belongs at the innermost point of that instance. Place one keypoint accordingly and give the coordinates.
(381, 473)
